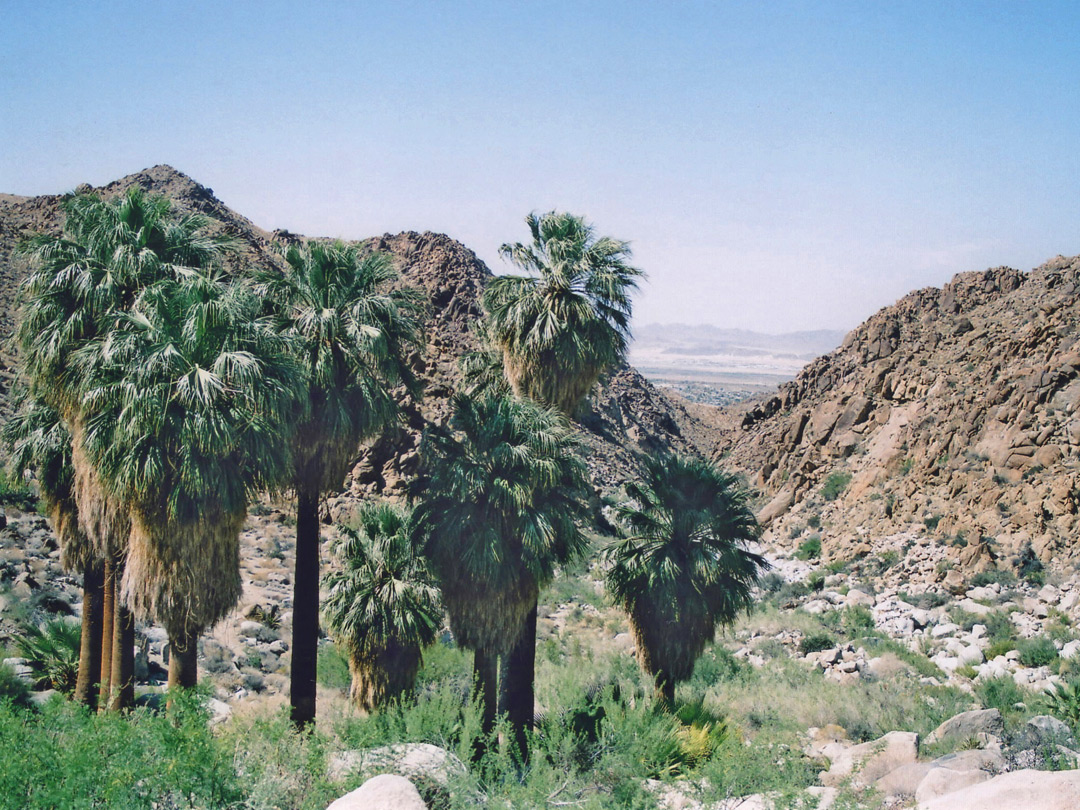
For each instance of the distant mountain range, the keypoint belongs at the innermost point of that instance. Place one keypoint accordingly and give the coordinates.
(716, 365)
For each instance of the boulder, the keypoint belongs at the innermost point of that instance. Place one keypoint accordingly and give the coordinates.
(868, 762)
(386, 791)
(1045, 728)
(979, 725)
(941, 781)
(1017, 790)
(904, 781)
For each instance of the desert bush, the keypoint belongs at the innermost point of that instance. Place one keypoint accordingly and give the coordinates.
(835, 485)
(1037, 652)
(856, 621)
(1029, 567)
(810, 548)
(816, 643)
(13, 689)
(993, 576)
(1063, 702)
(1000, 693)
(816, 581)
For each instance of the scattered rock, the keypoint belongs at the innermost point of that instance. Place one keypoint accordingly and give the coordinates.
(386, 791)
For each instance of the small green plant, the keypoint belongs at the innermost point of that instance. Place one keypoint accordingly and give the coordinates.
(993, 576)
(810, 548)
(835, 485)
(814, 521)
(857, 621)
(1063, 702)
(1000, 693)
(966, 671)
(931, 523)
(13, 688)
(1037, 652)
(1029, 566)
(816, 581)
(52, 653)
(816, 642)
(15, 492)
(907, 466)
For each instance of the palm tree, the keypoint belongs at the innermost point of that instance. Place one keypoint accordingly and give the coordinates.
(352, 330)
(381, 607)
(40, 443)
(498, 497)
(684, 567)
(560, 327)
(185, 411)
(78, 285)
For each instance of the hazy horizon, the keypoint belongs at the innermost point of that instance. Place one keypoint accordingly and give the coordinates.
(783, 167)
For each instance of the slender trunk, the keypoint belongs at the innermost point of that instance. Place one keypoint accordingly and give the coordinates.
(485, 688)
(516, 695)
(90, 649)
(108, 622)
(305, 638)
(184, 661)
(122, 692)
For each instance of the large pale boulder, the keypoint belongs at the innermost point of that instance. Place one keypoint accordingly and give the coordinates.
(1017, 790)
(941, 781)
(866, 763)
(904, 781)
(386, 791)
(980, 725)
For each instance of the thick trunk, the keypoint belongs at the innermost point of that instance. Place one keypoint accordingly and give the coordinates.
(305, 639)
(485, 686)
(90, 649)
(122, 690)
(108, 622)
(516, 695)
(184, 661)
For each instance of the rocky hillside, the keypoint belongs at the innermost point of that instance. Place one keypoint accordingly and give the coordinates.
(628, 415)
(952, 413)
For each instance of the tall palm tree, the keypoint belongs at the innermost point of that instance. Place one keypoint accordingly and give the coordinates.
(352, 330)
(550, 335)
(185, 410)
(381, 606)
(684, 567)
(77, 286)
(560, 327)
(498, 496)
(40, 443)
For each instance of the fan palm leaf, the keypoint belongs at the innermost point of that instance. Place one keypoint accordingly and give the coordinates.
(684, 567)
(381, 605)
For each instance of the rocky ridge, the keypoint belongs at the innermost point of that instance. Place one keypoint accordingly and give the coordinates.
(951, 415)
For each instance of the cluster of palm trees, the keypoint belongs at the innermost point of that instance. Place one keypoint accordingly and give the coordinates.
(162, 395)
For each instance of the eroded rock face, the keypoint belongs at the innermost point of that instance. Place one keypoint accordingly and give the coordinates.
(1018, 790)
(954, 410)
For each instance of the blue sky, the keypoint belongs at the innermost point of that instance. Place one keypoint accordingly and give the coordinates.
(776, 166)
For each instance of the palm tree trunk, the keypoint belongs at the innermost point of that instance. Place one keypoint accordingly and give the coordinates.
(305, 638)
(108, 622)
(90, 649)
(485, 683)
(122, 691)
(184, 661)
(516, 694)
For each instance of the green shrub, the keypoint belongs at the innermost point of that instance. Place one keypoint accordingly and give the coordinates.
(15, 492)
(1029, 566)
(816, 581)
(931, 523)
(1063, 702)
(814, 521)
(13, 689)
(994, 576)
(333, 667)
(857, 621)
(715, 665)
(816, 642)
(52, 652)
(835, 485)
(997, 648)
(1037, 652)
(810, 548)
(1000, 693)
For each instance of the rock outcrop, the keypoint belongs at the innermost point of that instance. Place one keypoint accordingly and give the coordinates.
(952, 413)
